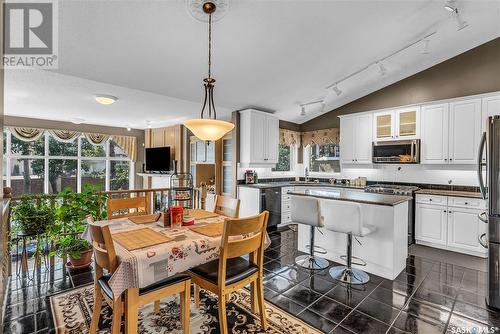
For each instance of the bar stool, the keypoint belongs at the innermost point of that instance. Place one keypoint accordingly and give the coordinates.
(347, 217)
(305, 210)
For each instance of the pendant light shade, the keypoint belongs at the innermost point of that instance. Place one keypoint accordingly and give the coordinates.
(209, 128)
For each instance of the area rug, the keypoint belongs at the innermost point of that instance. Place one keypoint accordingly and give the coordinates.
(72, 312)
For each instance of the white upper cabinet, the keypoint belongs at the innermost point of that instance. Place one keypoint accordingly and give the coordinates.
(491, 107)
(434, 143)
(259, 138)
(464, 131)
(451, 132)
(356, 139)
(397, 124)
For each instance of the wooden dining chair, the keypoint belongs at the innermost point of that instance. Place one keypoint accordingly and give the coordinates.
(231, 271)
(140, 204)
(227, 206)
(105, 259)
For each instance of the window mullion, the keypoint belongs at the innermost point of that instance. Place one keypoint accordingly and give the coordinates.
(8, 158)
(108, 167)
(46, 165)
(79, 166)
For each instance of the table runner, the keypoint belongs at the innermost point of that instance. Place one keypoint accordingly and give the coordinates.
(142, 267)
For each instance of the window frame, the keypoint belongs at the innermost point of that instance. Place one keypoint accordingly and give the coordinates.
(307, 156)
(293, 163)
(9, 157)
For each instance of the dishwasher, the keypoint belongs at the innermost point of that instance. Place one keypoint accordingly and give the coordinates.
(270, 200)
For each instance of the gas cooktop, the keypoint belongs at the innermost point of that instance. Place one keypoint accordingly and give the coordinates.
(391, 189)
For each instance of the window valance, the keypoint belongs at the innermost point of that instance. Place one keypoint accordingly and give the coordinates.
(289, 137)
(321, 137)
(127, 143)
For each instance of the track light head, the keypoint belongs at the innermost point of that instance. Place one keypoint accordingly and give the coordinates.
(461, 24)
(451, 6)
(336, 89)
(303, 111)
(425, 49)
(381, 69)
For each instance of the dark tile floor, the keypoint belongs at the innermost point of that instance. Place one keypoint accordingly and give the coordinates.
(427, 297)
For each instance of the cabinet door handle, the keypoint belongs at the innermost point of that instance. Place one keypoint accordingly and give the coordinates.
(445, 159)
(481, 241)
(482, 217)
(444, 211)
(449, 211)
(430, 199)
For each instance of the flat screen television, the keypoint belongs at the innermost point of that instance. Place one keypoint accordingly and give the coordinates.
(158, 159)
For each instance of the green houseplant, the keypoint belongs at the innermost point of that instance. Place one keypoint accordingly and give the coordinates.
(71, 222)
(33, 214)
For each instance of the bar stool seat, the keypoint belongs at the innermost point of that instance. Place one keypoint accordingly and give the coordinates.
(305, 210)
(347, 217)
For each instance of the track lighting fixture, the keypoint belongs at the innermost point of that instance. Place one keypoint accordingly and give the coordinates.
(381, 69)
(461, 24)
(425, 49)
(450, 6)
(336, 89)
(303, 111)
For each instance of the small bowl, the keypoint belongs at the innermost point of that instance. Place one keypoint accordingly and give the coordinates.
(188, 221)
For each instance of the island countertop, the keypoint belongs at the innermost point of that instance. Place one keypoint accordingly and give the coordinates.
(353, 196)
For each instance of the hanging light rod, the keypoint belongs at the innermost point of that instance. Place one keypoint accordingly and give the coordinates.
(380, 60)
(310, 103)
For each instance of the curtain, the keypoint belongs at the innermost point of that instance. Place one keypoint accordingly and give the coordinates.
(321, 137)
(64, 135)
(128, 144)
(96, 138)
(27, 134)
(289, 137)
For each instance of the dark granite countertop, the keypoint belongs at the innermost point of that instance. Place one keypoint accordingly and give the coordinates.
(354, 196)
(455, 193)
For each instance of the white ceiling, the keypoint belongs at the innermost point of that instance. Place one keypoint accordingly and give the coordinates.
(273, 55)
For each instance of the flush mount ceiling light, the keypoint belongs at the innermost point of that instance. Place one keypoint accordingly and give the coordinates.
(208, 128)
(381, 69)
(106, 99)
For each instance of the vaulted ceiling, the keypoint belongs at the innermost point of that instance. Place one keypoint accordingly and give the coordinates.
(271, 55)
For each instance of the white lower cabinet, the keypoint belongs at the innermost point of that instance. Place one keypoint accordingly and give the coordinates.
(453, 224)
(464, 229)
(286, 211)
(431, 223)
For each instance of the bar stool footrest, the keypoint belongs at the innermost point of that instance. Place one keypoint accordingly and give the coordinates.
(317, 249)
(358, 262)
(311, 262)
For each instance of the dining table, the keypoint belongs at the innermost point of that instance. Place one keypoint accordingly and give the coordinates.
(139, 268)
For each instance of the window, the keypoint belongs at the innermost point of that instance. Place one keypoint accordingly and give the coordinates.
(49, 165)
(284, 159)
(324, 158)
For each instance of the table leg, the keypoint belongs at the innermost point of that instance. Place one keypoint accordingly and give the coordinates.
(131, 310)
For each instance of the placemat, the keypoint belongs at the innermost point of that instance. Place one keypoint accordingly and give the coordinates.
(201, 214)
(140, 238)
(210, 230)
(145, 219)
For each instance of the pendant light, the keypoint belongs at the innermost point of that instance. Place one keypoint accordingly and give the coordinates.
(209, 128)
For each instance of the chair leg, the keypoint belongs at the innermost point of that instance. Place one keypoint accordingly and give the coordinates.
(254, 297)
(117, 316)
(196, 295)
(157, 307)
(222, 314)
(132, 307)
(185, 308)
(97, 309)
(262, 305)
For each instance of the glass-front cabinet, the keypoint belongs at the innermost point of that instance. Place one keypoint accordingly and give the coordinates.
(399, 124)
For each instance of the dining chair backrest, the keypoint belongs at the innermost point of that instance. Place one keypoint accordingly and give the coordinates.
(227, 206)
(305, 210)
(241, 237)
(342, 216)
(139, 204)
(104, 249)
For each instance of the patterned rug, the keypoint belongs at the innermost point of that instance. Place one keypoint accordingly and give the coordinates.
(72, 312)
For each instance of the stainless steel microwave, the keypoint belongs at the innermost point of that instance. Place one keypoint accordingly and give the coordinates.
(396, 152)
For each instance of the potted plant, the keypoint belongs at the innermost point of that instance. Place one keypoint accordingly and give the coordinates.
(33, 215)
(71, 222)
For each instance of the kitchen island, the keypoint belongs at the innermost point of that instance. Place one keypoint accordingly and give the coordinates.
(384, 251)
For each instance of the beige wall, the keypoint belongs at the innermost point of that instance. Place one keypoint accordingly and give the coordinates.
(476, 71)
(109, 130)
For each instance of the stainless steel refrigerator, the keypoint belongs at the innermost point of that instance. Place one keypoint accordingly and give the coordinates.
(489, 158)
